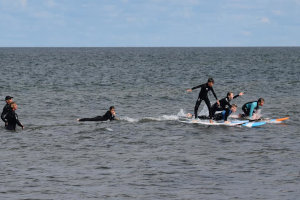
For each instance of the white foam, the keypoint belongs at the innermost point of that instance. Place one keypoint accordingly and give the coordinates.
(129, 119)
(176, 117)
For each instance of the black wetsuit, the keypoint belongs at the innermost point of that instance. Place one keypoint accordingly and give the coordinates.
(107, 116)
(203, 96)
(6, 109)
(12, 120)
(224, 103)
(220, 116)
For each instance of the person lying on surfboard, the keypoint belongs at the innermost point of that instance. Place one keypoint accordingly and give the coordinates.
(205, 88)
(251, 108)
(109, 115)
(224, 103)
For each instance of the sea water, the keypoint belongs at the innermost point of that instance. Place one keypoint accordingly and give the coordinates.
(149, 153)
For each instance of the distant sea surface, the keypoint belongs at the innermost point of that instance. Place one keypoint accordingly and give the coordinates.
(149, 153)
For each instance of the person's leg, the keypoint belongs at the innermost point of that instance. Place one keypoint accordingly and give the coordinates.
(218, 117)
(198, 102)
(208, 107)
(214, 108)
(98, 118)
(245, 110)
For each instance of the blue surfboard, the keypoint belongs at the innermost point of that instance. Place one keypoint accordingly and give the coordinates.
(253, 124)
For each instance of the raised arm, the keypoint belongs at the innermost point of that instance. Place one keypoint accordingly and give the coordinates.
(240, 94)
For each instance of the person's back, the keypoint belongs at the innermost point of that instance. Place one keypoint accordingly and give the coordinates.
(6, 108)
(251, 107)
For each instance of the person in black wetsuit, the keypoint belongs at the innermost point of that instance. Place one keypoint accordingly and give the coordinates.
(6, 108)
(205, 88)
(223, 115)
(109, 115)
(224, 103)
(12, 118)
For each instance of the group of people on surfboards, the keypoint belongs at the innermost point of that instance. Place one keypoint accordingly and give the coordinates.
(222, 105)
(10, 117)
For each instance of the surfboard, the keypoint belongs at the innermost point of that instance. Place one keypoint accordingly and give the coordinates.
(267, 120)
(278, 120)
(215, 123)
(253, 124)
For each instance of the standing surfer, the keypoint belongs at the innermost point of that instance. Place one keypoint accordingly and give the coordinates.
(205, 88)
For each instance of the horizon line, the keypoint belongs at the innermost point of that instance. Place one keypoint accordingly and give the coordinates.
(148, 46)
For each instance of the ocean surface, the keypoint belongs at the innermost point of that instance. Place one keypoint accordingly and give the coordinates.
(149, 153)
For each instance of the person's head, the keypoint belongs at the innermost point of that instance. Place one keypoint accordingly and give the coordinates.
(233, 107)
(230, 95)
(112, 109)
(261, 101)
(14, 106)
(9, 99)
(210, 82)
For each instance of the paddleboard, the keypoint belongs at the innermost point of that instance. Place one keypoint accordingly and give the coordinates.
(253, 124)
(267, 120)
(215, 123)
(278, 120)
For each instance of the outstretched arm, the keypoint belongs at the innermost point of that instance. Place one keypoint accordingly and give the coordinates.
(191, 89)
(240, 94)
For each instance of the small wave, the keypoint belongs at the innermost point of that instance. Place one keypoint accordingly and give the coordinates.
(176, 117)
(109, 129)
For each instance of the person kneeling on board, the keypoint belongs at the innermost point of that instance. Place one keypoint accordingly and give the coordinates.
(220, 116)
(12, 118)
(251, 108)
(109, 115)
(224, 103)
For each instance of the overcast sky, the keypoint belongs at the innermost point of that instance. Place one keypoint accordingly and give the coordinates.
(103, 23)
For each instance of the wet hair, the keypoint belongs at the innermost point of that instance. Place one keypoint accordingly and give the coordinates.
(211, 80)
(260, 100)
(112, 107)
(229, 93)
(13, 104)
(234, 105)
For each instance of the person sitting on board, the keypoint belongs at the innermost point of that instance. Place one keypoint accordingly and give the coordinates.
(205, 88)
(6, 108)
(109, 115)
(223, 115)
(252, 107)
(224, 103)
(12, 118)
